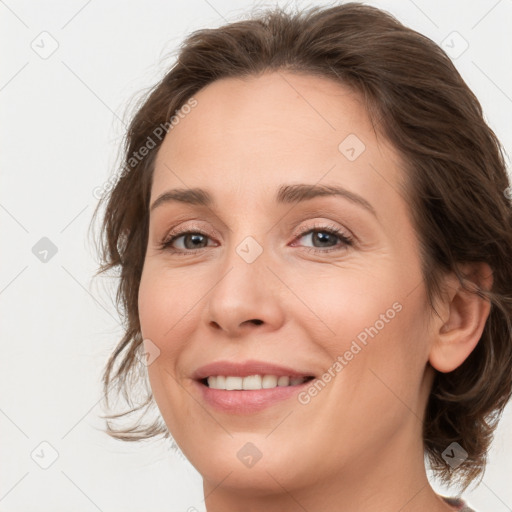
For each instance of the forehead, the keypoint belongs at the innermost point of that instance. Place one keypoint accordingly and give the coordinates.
(260, 131)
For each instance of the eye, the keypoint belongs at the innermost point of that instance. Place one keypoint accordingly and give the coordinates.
(191, 241)
(324, 239)
(330, 238)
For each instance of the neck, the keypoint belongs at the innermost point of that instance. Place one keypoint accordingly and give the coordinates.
(383, 479)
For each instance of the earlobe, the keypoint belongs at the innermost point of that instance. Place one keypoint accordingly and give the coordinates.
(465, 313)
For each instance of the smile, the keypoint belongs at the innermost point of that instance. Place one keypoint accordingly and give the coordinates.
(252, 382)
(246, 387)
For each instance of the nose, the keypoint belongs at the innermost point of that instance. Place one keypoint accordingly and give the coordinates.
(245, 297)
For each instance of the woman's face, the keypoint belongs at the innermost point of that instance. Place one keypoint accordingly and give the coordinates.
(262, 281)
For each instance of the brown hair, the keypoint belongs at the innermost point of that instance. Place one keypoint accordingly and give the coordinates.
(456, 187)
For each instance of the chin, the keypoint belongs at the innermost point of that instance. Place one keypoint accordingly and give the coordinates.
(257, 465)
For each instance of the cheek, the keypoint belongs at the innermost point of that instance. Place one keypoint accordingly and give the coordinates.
(373, 321)
(165, 321)
(389, 368)
(349, 304)
(164, 301)
(169, 303)
(164, 314)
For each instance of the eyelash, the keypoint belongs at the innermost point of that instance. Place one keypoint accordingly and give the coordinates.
(347, 240)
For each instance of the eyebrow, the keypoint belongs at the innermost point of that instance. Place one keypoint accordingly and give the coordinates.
(286, 194)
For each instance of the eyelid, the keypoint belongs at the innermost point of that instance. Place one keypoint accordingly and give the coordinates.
(325, 225)
(185, 228)
(297, 232)
(346, 239)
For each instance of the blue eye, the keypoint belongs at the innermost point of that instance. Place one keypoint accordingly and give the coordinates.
(328, 238)
(196, 239)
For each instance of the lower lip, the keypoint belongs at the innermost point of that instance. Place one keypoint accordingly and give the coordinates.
(248, 401)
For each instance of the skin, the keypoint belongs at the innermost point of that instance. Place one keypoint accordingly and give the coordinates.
(357, 445)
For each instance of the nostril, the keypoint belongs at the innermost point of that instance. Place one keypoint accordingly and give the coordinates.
(257, 321)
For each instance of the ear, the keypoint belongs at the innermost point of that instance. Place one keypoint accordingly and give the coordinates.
(463, 316)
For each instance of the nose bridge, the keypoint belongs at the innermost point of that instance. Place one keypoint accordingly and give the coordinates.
(246, 276)
(246, 290)
(248, 239)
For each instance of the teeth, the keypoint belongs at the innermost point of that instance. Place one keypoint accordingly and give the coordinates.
(252, 382)
(283, 381)
(269, 381)
(234, 382)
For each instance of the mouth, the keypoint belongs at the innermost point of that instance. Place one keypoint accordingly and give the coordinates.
(248, 387)
(252, 382)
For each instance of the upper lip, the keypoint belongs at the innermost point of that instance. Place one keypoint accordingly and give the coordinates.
(246, 368)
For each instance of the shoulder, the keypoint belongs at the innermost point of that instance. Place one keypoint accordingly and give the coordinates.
(459, 504)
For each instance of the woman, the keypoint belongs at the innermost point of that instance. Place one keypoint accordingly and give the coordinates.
(313, 233)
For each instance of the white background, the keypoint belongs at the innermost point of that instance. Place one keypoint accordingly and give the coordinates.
(62, 122)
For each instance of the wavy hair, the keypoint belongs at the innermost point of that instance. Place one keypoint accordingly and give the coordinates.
(457, 189)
